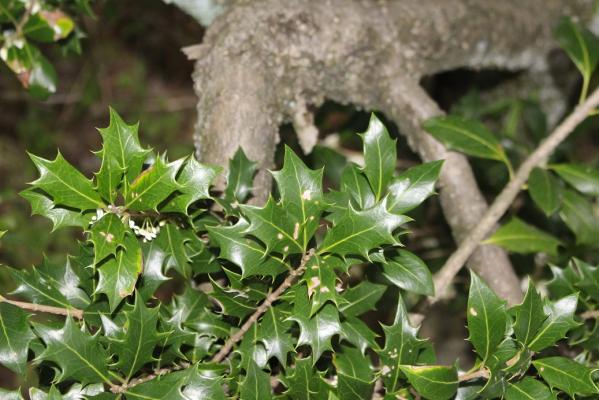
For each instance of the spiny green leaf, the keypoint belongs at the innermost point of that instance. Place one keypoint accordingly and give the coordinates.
(380, 156)
(577, 213)
(361, 298)
(35, 72)
(118, 274)
(487, 318)
(171, 240)
(583, 178)
(153, 186)
(167, 386)
(107, 234)
(15, 336)
(413, 186)
(320, 279)
(274, 334)
(354, 182)
(233, 302)
(303, 384)
(520, 237)
(528, 389)
(249, 255)
(153, 275)
(358, 333)
(567, 375)
(545, 191)
(66, 185)
(134, 344)
(78, 354)
(256, 385)
(529, 315)
(361, 231)
(468, 136)
(434, 381)
(409, 272)
(275, 227)
(560, 319)
(60, 217)
(301, 193)
(355, 377)
(53, 394)
(240, 177)
(194, 183)
(10, 394)
(564, 280)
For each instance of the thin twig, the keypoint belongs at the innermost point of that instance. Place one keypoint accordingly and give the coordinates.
(157, 373)
(73, 312)
(444, 277)
(271, 298)
(591, 314)
(479, 373)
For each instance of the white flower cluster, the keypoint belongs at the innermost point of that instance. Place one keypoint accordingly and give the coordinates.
(148, 231)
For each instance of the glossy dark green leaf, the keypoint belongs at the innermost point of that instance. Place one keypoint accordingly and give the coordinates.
(153, 269)
(33, 70)
(301, 194)
(194, 183)
(577, 213)
(545, 191)
(303, 383)
(361, 231)
(580, 44)
(567, 375)
(564, 282)
(60, 217)
(589, 277)
(66, 185)
(413, 186)
(529, 315)
(409, 272)
(528, 389)
(15, 336)
(107, 234)
(172, 241)
(361, 298)
(560, 319)
(468, 136)
(256, 385)
(355, 377)
(153, 186)
(167, 386)
(48, 26)
(356, 332)
(240, 177)
(434, 381)
(232, 301)
(520, 237)
(487, 318)
(355, 183)
(583, 178)
(204, 382)
(320, 279)
(53, 394)
(380, 156)
(274, 334)
(78, 354)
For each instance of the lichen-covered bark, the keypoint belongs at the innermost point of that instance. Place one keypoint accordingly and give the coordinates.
(260, 56)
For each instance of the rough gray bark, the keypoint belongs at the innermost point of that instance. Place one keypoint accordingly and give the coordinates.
(260, 57)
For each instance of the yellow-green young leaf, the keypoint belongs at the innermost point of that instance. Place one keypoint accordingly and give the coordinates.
(520, 237)
(529, 315)
(468, 136)
(361, 298)
(118, 274)
(303, 383)
(380, 156)
(78, 355)
(240, 177)
(560, 319)
(583, 178)
(567, 375)
(2, 233)
(256, 385)
(48, 26)
(15, 336)
(153, 186)
(409, 272)
(107, 235)
(577, 213)
(545, 191)
(528, 389)
(432, 382)
(580, 44)
(355, 377)
(60, 217)
(301, 194)
(413, 186)
(487, 318)
(66, 185)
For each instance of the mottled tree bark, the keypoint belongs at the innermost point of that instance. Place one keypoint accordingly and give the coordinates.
(260, 57)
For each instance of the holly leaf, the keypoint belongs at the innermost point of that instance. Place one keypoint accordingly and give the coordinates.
(583, 178)
(520, 237)
(53, 394)
(240, 177)
(354, 182)
(167, 386)
(256, 385)
(15, 336)
(107, 234)
(432, 381)
(545, 191)
(413, 186)
(153, 276)
(409, 272)
(78, 354)
(303, 384)
(274, 334)
(275, 227)
(380, 156)
(65, 184)
(577, 213)
(251, 257)
(301, 194)
(361, 231)
(528, 389)
(134, 344)
(10, 394)
(581, 45)
(589, 277)
(358, 333)
(205, 382)
(361, 298)
(565, 280)
(320, 279)
(529, 315)
(567, 375)
(194, 184)
(60, 217)
(153, 186)
(233, 302)
(118, 275)
(487, 318)
(560, 319)
(355, 377)
(121, 154)
(33, 70)
(171, 240)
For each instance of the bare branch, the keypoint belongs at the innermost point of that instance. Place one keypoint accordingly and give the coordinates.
(40, 308)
